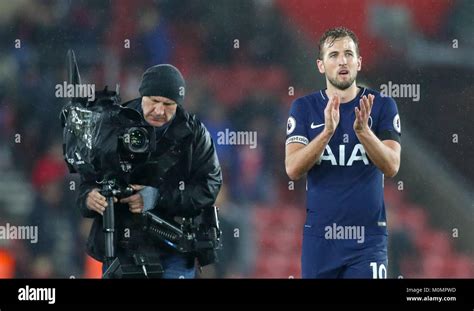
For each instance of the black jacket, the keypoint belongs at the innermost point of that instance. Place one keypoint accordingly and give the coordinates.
(189, 185)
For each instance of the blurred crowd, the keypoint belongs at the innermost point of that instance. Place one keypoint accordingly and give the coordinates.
(242, 62)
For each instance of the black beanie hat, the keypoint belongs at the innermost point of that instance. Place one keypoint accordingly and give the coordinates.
(163, 80)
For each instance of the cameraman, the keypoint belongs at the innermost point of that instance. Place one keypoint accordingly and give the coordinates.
(187, 179)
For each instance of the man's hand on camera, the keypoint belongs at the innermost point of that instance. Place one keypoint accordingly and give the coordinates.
(97, 202)
(135, 201)
(142, 201)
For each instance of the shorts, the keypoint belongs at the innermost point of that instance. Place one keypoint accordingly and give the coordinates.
(343, 258)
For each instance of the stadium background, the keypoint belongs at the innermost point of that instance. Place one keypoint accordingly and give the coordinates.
(243, 85)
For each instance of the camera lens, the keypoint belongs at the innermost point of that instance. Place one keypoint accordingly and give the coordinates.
(137, 140)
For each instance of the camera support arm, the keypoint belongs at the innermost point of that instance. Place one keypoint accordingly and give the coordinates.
(109, 191)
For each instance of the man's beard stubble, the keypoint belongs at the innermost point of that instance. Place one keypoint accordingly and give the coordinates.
(343, 85)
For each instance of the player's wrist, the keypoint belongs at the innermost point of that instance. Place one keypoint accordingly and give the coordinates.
(327, 132)
(362, 130)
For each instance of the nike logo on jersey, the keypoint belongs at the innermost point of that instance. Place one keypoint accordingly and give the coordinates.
(316, 126)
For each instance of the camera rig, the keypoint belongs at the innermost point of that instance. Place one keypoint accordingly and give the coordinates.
(109, 142)
(199, 236)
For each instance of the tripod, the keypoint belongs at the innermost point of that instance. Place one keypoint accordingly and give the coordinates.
(113, 268)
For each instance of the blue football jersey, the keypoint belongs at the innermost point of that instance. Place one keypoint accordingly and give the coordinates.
(344, 187)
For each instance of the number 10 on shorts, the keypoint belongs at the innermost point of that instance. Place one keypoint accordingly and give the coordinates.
(379, 272)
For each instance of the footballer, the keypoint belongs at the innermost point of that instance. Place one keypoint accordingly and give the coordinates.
(345, 138)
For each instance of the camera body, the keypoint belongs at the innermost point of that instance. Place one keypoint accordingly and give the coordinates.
(102, 138)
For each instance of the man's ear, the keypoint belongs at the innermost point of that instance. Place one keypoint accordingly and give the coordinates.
(320, 65)
(359, 63)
